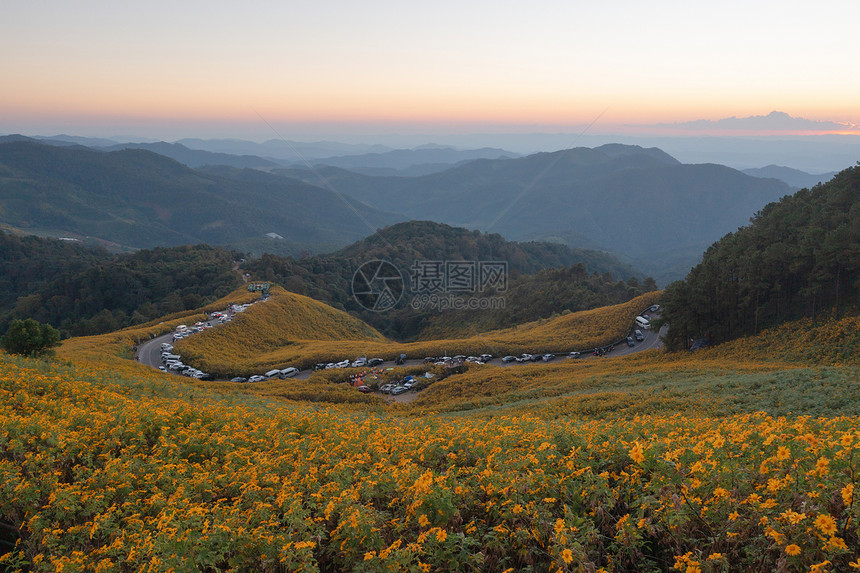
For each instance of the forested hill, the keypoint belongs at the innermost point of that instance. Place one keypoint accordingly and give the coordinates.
(545, 278)
(90, 291)
(404, 243)
(799, 257)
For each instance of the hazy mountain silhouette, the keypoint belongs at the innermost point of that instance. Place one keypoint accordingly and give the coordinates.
(793, 177)
(774, 121)
(637, 202)
(404, 159)
(138, 198)
(198, 158)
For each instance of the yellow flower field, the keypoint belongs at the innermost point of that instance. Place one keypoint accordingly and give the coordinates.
(714, 461)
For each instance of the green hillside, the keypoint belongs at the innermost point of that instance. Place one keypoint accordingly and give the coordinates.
(85, 291)
(799, 257)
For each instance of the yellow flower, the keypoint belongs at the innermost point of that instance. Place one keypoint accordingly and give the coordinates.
(636, 453)
(848, 494)
(792, 549)
(826, 524)
(782, 453)
(423, 521)
(715, 556)
(567, 555)
(441, 535)
(369, 555)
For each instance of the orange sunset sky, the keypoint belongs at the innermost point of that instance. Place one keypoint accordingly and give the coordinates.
(224, 69)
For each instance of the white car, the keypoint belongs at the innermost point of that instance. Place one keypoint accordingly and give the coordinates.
(256, 378)
(289, 372)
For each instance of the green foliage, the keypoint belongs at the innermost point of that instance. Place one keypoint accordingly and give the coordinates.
(30, 338)
(544, 278)
(799, 257)
(85, 291)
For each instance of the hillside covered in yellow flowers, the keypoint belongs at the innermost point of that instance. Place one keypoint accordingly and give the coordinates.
(293, 330)
(743, 457)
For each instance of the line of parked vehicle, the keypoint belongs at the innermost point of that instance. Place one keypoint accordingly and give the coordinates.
(173, 363)
(360, 362)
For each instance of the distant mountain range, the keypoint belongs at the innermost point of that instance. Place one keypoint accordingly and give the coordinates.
(413, 161)
(137, 198)
(368, 159)
(196, 157)
(637, 202)
(794, 177)
(641, 204)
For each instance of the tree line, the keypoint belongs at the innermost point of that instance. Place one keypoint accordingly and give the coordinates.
(83, 291)
(800, 256)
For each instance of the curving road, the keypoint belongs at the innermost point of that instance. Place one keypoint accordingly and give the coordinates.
(149, 353)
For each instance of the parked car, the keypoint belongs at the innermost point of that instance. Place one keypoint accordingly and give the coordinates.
(320, 366)
(360, 362)
(399, 390)
(342, 364)
(509, 359)
(574, 354)
(387, 388)
(638, 336)
(548, 357)
(524, 358)
(655, 307)
(365, 389)
(429, 359)
(256, 378)
(289, 372)
(630, 341)
(486, 357)
(375, 361)
(239, 379)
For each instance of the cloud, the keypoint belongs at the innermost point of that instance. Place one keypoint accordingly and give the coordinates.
(775, 121)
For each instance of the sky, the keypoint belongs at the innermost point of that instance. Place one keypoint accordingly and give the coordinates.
(257, 69)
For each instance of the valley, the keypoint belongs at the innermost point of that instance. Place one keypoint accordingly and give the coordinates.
(725, 439)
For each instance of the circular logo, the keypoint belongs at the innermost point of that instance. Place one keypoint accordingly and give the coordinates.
(377, 286)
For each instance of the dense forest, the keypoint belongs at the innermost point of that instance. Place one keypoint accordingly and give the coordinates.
(544, 278)
(85, 291)
(800, 256)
